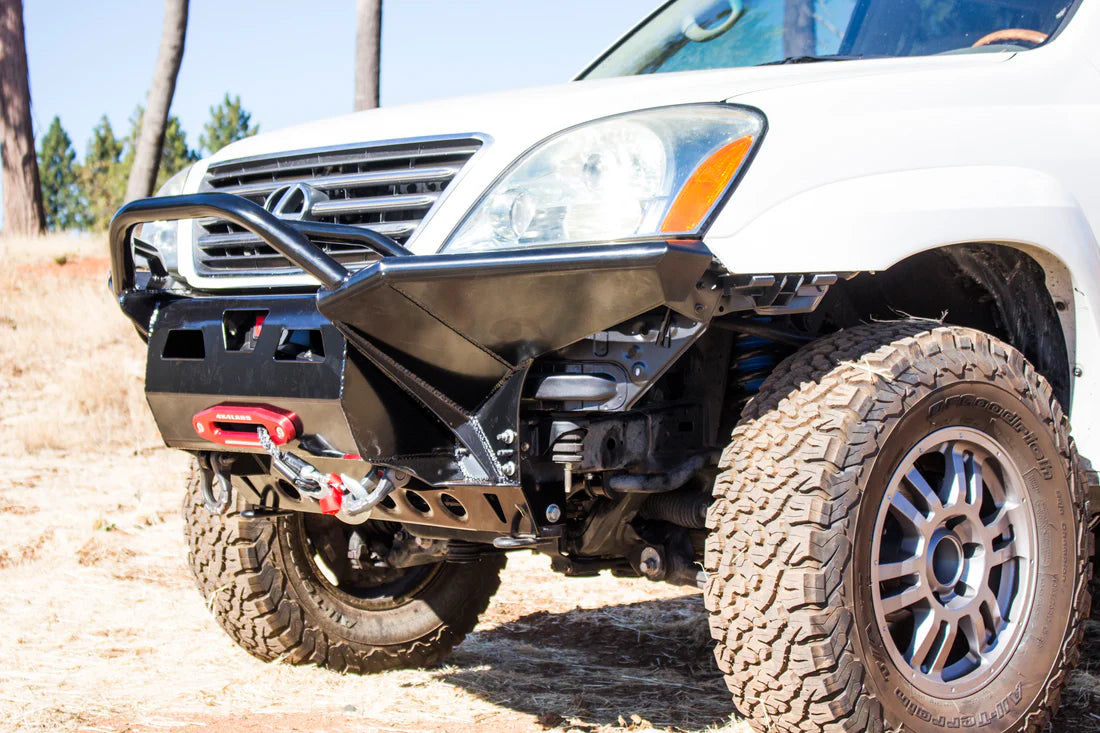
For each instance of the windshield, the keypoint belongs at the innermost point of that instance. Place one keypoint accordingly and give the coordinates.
(686, 35)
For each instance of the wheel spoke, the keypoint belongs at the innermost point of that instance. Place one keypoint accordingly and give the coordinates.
(1003, 555)
(916, 479)
(905, 509)
(925, 628)
(975, 484)
(953, 488)
(943, 651)
(1000, 525)
(894, 570)
(993, 483)
(904, 599)
(968, 534)
(972, 578)
(993, 608)
(974, 630)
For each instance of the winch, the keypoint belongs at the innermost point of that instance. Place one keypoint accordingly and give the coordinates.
(266, 427)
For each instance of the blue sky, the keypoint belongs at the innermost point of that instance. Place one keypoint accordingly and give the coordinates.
(292, 61)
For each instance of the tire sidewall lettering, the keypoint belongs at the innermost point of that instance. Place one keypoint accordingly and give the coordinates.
(992, 409)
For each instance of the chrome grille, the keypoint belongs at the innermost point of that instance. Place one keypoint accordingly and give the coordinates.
(388, 188)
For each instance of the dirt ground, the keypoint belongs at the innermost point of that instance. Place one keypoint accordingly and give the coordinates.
(101, 628)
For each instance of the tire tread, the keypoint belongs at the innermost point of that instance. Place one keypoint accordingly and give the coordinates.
(779, 543)
(237, 566)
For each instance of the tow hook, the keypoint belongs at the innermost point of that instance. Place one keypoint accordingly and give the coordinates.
(336, 493)
(214, 466)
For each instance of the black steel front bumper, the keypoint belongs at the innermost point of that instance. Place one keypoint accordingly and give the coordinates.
(424, 356)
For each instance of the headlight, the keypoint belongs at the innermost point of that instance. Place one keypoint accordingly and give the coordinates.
(658, 172)
(161, 236)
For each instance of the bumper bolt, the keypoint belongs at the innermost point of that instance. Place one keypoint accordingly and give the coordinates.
(507, 437)
(508, 469)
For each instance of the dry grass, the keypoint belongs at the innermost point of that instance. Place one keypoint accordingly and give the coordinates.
(68, 352)
(51, 248)
(104, 631)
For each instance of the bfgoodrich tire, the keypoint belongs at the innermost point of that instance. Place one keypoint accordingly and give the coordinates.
(283, 589)
(899, 540)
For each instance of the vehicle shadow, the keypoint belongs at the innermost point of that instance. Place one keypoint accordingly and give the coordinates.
(1082, 694)
(651, 659)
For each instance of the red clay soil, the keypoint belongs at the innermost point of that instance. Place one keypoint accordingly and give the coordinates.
(83, 267)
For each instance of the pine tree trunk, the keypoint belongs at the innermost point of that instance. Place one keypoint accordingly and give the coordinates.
(23, 213)
(143, 175)
(368, 53)
(799, 36)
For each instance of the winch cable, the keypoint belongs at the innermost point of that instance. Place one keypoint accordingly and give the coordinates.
(336, 493)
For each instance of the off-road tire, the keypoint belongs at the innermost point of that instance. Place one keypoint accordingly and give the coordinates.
(265, 595)
(788, 590)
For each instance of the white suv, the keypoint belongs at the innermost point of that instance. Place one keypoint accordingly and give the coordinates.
(788, 299)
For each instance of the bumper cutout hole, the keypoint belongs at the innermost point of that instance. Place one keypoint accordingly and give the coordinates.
(184, 343)
(238, 427)
(303, 345)
(494, 504)
(418, 503)
(288, 490)
(452, 506)
(242, 329)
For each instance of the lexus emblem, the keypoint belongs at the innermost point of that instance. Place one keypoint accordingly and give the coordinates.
(294, 202)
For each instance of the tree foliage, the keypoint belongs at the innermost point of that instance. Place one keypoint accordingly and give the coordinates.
(99, 182)
(103, 175)
(106, 169)
(61, 194)
(229, 122)
(176, 154)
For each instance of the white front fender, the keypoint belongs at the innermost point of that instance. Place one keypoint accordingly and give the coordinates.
(870, 223)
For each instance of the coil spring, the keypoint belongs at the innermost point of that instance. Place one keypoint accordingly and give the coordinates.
(754, 358)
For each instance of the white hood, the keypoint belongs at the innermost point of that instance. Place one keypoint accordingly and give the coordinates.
(514, 121)
(529, 115)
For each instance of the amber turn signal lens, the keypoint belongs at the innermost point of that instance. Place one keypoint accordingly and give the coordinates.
(705, 186)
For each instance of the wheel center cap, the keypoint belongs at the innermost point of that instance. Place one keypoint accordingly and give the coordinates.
(947, 560)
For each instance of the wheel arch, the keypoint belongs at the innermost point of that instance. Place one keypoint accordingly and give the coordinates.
(1022, 295)
(882, 224)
